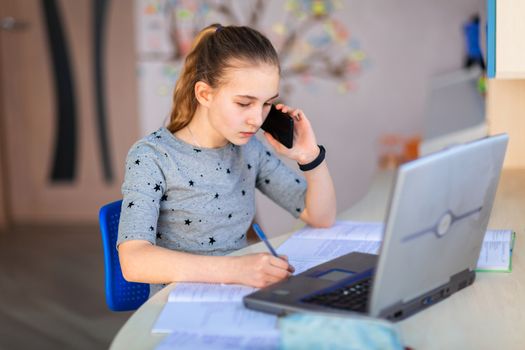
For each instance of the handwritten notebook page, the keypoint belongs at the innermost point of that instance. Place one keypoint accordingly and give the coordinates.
(208, 292)
(192, 341)
(206, 308)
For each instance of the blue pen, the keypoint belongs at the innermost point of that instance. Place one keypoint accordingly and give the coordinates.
(263, 238)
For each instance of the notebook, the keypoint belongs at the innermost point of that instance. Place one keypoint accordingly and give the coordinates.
(210, 309)
(438, 214)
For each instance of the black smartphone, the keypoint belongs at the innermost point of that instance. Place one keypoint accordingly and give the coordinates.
(280, 126)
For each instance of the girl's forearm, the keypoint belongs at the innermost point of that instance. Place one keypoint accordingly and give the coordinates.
(146, 263)
(320, 199)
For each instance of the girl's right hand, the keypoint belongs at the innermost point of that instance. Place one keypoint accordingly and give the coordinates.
(261, 269)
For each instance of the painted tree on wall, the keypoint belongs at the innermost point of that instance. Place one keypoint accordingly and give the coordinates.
(311, 42)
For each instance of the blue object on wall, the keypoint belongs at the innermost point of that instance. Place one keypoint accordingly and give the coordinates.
(474, 55)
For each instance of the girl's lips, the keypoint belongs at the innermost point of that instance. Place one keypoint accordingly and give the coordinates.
(247, 134)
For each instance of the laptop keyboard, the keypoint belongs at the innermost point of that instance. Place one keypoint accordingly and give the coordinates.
(352, 297)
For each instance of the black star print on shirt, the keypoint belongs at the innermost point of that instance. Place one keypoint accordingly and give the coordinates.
(157, 187)
(164, 197)
(268, 153)
(191, 183)
(212, 240)
(197, 150)
(249, 166)
(131, 204)
(159, 235)
(137, 162)
(216, 196)
(227, 171)
(187, 222)
(229, 216)
(267, 181)
(243, 192)
(297, 180)
(151, 228)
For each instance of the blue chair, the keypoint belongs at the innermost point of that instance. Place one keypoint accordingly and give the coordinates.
(121, 295)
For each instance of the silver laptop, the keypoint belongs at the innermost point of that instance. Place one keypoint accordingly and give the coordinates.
(438, 215)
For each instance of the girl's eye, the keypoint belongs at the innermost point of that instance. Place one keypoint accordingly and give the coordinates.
(243, 104)
(267, 104)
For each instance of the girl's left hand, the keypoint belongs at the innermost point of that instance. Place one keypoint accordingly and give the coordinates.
(305, 147)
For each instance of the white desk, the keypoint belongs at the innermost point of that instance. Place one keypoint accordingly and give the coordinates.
(490, 314)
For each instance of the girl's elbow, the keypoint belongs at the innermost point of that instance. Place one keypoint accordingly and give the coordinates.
(128, 272)
(319, 220)
(130, 256)
(325, 222)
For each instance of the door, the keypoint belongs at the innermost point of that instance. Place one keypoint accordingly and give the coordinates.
(68, 106)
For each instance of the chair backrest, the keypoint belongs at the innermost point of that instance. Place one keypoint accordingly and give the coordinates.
(121, 295)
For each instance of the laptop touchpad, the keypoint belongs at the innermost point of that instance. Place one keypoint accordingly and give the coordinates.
(335, 275)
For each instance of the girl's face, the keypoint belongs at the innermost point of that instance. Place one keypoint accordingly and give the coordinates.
(239, 106)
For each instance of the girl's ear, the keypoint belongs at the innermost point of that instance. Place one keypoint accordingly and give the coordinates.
(203, 93)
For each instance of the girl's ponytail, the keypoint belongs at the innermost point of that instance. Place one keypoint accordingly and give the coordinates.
(184, 103)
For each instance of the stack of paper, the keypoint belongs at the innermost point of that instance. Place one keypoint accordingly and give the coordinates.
(205, 315)
(193, 341)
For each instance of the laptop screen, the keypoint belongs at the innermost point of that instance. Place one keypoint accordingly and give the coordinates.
(438, 215)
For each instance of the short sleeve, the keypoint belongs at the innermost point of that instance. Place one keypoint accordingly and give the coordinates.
(143, 187)
(280, 183)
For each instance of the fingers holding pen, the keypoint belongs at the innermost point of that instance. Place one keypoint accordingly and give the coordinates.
(279, 266)
(272, 267)
(261, 269)
(290, 267)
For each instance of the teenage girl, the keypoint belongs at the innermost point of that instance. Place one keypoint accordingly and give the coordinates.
(189, 188)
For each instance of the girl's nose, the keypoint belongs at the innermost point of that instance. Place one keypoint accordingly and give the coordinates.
(257, 117)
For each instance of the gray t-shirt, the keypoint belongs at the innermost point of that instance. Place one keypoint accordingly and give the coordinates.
(200, 200)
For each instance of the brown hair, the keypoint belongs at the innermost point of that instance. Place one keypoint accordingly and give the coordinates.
(215, 49)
